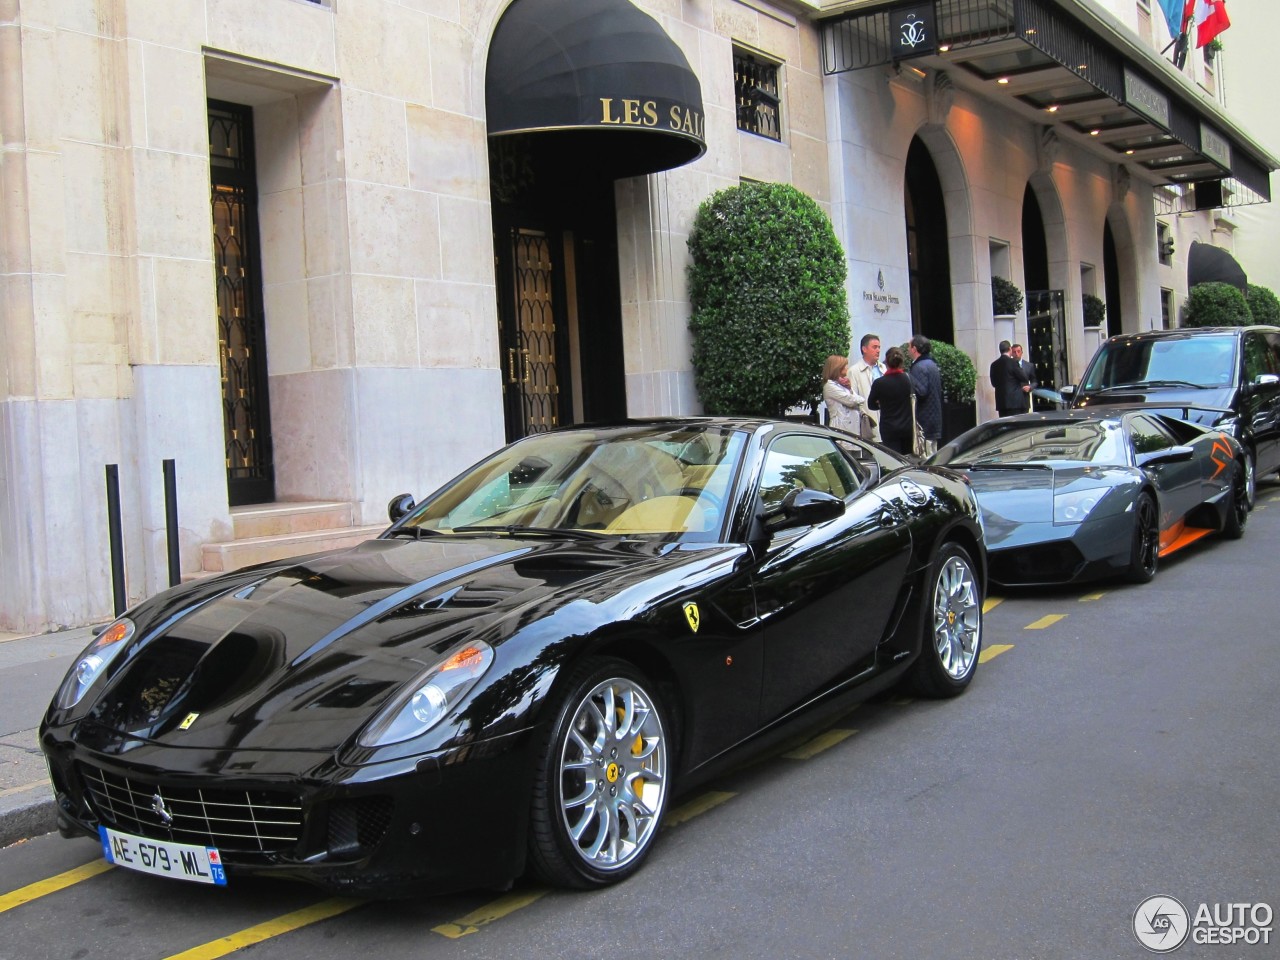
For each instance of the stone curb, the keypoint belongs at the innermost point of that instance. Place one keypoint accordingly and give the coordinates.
(26, 819)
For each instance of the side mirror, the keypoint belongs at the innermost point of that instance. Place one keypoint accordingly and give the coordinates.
(1265, 380)
(400, 507)
(803, 507)
(1179, 454)
(1068, 392)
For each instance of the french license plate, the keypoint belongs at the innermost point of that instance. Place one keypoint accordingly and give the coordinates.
(181, 861)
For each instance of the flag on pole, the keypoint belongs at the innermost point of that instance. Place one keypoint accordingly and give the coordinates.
(1210, 19)
(1175, 15)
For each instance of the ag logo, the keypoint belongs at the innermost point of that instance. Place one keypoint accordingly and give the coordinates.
(693, 616)
(1161, 924)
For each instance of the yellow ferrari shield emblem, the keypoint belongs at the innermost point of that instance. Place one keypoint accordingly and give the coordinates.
(187, 721)
(691, 614)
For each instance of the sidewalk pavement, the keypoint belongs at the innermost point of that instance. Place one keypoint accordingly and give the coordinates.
(30, 670)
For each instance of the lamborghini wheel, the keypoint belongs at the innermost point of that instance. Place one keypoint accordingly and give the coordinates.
(1144, 557)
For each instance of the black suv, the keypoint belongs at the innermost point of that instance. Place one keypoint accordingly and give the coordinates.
(1228, 377)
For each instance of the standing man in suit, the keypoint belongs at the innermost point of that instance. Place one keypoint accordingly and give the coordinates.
(862, 374)
(1010, 384)
(1029, 370)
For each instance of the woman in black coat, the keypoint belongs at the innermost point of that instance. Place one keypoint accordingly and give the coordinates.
(891, 395)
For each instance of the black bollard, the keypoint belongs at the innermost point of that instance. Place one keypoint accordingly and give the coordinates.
(171, 520)
(115, 537)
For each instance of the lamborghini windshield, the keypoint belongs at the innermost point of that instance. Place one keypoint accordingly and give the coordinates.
(663, 481)
(1091, 441)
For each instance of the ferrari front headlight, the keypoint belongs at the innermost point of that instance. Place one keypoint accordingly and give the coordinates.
(96, 658)
(426, 702)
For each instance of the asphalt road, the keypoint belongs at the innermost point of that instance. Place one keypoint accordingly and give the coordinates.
(1117, 743)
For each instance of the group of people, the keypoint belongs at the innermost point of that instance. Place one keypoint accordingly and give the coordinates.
(884, 401)
(1013, 377)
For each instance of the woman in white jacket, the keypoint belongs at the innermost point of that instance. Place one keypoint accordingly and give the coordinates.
(843, 405)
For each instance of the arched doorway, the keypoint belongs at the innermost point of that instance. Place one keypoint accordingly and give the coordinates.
(928, 253)
(577, 96)
(1046, 345)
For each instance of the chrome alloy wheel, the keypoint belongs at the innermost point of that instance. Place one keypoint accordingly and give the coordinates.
(613, 767)
(957, 618)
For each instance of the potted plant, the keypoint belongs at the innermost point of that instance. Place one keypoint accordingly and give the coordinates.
(1095, 310)
(1006, 298)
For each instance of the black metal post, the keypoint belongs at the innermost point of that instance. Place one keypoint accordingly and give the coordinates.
(171, 520)
(115, 537)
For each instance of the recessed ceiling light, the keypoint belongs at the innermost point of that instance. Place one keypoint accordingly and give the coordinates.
(1053, 108)
(1094, 133)
(1128, 153)
(1003, 80)
(943, 48)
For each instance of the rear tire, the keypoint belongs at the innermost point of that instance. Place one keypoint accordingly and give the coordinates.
(604, 778)
(1144, 556)
(1250, 477)
(953, 626)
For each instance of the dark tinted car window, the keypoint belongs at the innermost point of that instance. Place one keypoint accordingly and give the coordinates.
(1092, 441)
(1258, 357)
(1207, 361)
(1146, 436)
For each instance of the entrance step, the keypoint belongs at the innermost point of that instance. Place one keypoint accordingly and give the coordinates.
(276, 531)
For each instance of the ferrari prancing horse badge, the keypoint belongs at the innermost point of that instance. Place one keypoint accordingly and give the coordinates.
(691, 614)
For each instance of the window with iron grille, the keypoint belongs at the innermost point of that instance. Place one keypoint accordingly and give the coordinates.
(755, 82)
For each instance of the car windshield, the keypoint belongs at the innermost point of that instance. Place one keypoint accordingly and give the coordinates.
(653, 481)
(1094, 441)
(1196, 361)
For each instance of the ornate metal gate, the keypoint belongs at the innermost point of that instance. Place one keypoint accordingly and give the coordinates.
(530, 344)
(241, 330)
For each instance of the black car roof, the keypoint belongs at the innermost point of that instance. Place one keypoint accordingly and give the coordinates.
(1187, 333)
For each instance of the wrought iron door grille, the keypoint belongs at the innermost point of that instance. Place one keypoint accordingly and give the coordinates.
(531, 364)
(241, 329)
(260, 821)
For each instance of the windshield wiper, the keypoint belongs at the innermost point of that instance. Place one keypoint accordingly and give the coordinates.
(1144, 384)
(519, 530)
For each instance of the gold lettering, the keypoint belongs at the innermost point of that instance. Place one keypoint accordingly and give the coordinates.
(606, 110)
(675, 119)
(650, 113)
(631, 116)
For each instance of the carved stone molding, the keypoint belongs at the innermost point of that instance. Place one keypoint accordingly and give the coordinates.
(1120, 179)
(941, 95)
(1048, 149)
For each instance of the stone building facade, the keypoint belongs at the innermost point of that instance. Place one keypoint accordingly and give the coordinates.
(301, 212)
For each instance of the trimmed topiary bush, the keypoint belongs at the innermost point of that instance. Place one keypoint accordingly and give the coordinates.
(1216, 305)
(767, 291)
(959, 376)
(1095, 310)
(1264, 305)
(1006, 298)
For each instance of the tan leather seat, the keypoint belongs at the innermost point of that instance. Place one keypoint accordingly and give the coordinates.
(660, 515)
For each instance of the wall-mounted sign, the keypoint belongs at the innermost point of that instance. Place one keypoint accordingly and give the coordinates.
(1215, 146)
(879, 300)
(1148, 99)
(911, 31)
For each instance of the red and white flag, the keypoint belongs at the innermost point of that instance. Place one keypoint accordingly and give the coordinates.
(1210, 19)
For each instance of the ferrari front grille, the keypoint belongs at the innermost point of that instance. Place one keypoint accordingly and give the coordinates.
(259, 821)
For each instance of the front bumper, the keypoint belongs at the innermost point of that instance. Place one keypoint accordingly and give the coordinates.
(445, 821)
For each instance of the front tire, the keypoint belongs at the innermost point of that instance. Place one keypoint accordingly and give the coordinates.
(1238, 509)
(953, 626)
(603, 780)
(1144, 557)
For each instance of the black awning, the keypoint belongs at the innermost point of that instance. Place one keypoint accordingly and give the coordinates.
(597, 67)
(1207, 263)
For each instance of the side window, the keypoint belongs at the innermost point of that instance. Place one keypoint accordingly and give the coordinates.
(1146, 436)
(1258, 358)
(802, 461)
(1273, 344)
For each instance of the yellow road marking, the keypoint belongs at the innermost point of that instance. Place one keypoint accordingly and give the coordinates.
(490, 912)
(271, 928)
(687, 811)
(1093, 596)
(991, 603)
(34, 891)
(819, 743)
(993, 651)
(1043, 622)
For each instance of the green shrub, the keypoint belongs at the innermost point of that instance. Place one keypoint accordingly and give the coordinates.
(768, 302)
(1095, 310)
(1263, 305)
(958, 373)
(1006, 298)
(1216, 305)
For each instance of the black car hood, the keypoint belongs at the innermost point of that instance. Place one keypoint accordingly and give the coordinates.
(302, 655)
(1198, 404)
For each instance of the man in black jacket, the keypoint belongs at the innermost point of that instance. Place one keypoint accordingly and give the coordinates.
(1009, 382)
